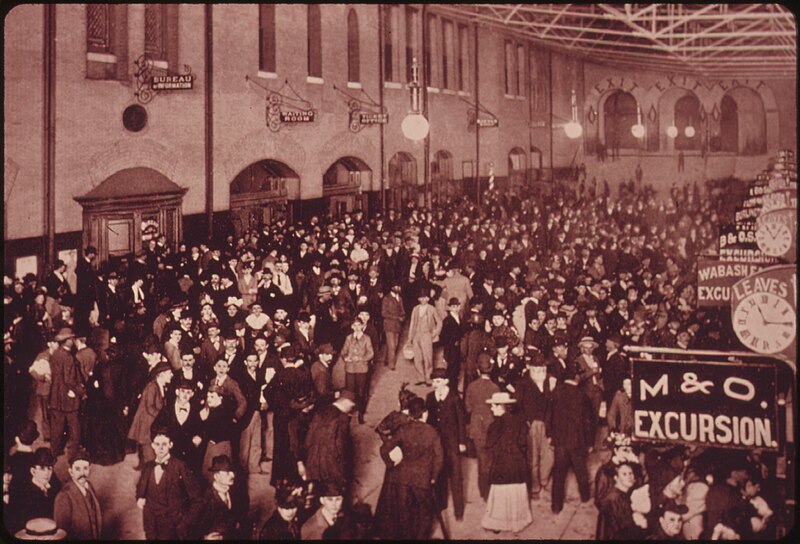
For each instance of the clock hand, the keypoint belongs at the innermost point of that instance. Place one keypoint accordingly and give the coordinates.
(785, 323)
(763, 319)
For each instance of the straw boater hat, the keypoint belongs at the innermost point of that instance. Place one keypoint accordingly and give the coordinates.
(588, 340)
(501, 397)
(41, 529)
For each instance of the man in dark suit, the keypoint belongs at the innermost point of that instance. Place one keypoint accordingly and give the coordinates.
(57, 285)
(250, 379)
(615, 369)
(446, 415)
(165, 492)
(87, 284)
(76, 508)
(328, 445)
(569, 419)
(450, 339)
(415, 454)
(321, 375)
(222, 507)
(111, 302)
(480, 417)
(393, 315)
(181, 420)
(34, 495)
(66, 392)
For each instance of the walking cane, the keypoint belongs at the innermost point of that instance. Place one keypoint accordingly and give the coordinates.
(439, 517)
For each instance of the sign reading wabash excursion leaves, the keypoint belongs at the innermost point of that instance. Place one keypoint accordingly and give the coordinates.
(705, 403)
(715, 279)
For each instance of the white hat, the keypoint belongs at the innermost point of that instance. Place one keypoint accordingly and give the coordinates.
(501, 397)
(41, 529)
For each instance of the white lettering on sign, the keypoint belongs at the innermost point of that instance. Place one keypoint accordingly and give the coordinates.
(747, 384)
(662, 384)
(705, 428)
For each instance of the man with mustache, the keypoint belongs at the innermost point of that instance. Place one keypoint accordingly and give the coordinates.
(77, 509)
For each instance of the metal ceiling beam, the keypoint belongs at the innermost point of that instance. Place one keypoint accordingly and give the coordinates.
(555, 20)
(695, 15)
(512, 13)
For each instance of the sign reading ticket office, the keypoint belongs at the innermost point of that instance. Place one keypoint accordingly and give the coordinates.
(711, 404)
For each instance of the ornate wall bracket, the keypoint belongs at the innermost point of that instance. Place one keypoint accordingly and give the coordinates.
(283, 108)
(474, 121)
(362, 113)
(143, 78)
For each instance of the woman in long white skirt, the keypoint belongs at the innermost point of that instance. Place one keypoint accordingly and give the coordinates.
(508, 508)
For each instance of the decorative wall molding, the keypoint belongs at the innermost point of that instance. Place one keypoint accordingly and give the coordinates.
(130, 153)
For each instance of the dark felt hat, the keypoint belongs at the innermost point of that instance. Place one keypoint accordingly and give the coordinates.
(80, 454)
(63, 334)
(221, 463)
(325, 348)
(330, 489)
(669, 505)
(439, 373)
(43, 457)
(484, 363)
(286, 499)
(453, 301)
(163, 366)
(183, 383)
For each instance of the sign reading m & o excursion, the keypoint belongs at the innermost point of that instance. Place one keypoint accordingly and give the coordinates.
(706, 403)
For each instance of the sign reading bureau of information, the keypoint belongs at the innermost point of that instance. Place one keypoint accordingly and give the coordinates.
(373, 118)
(302, 116)
(172, 83)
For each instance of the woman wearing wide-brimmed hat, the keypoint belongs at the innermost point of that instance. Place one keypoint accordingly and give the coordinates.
(507, 440)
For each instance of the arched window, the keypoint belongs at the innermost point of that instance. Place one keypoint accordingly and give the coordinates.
(353, 60)
(619, 115)
(687, 114)
(729, 125)
(314, 41)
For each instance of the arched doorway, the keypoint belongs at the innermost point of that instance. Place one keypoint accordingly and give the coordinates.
(517, 169)
(442, 174)
(687, 114)
(258, 195)
(402, 180)
(342, 184)
(536, 163)
(128, 209)
(619, 115)
(743, 121)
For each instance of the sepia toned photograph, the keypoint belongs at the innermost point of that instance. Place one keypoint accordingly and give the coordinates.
(399, 272)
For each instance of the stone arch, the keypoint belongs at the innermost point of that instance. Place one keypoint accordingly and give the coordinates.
(627, 141)
(346, 143)
(259, 145)
(124, 154)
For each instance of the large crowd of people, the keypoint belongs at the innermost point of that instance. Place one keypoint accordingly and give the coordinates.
(251, 354)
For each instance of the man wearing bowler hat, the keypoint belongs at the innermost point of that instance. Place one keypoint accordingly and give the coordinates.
(321, 374)
(446, 415)
(33, 495)
(223, 506)
(328, 445)
(393, 315)
(331, 498)
(66, 392)
(283, 525)
(450, 338)
(181, 420)
(480, 417)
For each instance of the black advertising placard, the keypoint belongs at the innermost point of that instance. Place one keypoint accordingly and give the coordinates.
(705, 403)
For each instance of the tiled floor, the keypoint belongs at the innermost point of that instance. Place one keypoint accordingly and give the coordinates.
(115, 484)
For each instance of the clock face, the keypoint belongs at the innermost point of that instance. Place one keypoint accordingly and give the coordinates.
(765, 322)
(774, 239)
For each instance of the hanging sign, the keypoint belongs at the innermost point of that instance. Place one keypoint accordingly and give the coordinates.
(299, 116)
(149, 229)
(172, 83)
(715, 279)
(373, 118)
(705, 403)
(488, 123)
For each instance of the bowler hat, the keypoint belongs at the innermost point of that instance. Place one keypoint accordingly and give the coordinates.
(216, 389)
(80, 454)
(286, 498)
(221, 463)
(501, 397)
(330, 489)
(439, 373)
(63, 334)
(186, 314)
(669, 505)
(43, 457)
(616, 338)
(163, 366)
(183, 383)
(326, 349)
(453, 302)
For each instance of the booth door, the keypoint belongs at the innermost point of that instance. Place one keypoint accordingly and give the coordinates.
(340, 205)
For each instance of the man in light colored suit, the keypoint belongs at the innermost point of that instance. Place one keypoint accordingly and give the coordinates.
(77, 509)
(393, 315)
(456, 285)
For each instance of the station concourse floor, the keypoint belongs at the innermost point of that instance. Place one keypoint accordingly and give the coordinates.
(116, 484)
